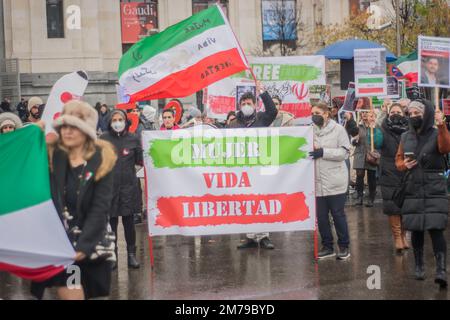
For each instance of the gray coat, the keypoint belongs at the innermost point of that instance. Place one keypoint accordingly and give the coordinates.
(359, 156)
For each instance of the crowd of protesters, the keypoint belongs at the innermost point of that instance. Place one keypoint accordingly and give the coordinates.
(399, 150)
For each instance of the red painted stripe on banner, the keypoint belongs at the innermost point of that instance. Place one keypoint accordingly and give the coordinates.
(183, 83)
(370, 90)
(37, 275)
(210, 210)
(435, 54)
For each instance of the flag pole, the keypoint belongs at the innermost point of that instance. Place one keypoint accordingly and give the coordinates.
(150, 241)
(436, 98)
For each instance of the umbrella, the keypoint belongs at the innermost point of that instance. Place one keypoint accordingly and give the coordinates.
(343, 50)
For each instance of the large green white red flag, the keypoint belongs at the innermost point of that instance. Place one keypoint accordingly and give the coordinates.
(33, 242)
(183, 59)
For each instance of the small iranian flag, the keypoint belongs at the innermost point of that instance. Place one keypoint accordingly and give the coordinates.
(33, 242)
(183, 59)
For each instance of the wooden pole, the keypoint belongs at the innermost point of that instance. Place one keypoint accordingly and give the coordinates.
(372, 143)
(436, 98)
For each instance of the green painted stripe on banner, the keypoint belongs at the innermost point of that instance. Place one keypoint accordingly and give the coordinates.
(286, 72)
(24, 179)
(227, 152)
(148, 47)
(370, 80)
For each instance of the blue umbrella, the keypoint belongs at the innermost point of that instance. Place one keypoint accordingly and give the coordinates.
(343, 50)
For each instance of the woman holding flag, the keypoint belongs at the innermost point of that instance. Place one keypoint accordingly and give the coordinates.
(81, 186)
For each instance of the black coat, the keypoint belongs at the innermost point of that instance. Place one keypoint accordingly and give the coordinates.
(126, 191)
(426, 202)
(390, 177)
(259, 119)
(93, 205)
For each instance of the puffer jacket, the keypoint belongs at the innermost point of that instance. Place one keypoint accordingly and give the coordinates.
(331, 170)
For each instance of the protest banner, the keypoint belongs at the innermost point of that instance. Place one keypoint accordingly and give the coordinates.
(393, 88)
(349, 101)
(204, 182)
(434, 69)
(446, 107)
(370, 72)
(289, 78)
(69, 87)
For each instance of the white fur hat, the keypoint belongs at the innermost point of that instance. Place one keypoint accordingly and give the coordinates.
(80, 115)
(34, 101)
(11, 119)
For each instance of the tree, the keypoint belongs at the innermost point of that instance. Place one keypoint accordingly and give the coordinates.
(417, 17)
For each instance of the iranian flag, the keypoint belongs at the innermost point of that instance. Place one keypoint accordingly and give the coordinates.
(183, 59)
(408, 66)
(33, 242)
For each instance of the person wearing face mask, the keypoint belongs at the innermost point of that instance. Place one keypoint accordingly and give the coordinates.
(331, 149)
(420, 155)
(247, 117)
(34, 114)
(392, 127)
(360, 164)
(283, 119)
(9, 122)
(125, 189)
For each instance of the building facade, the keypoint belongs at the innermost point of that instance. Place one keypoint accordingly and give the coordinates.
(49, 38)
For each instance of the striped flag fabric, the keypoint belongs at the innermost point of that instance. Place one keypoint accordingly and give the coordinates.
(183, 59)
(409, 67)
(33, 242)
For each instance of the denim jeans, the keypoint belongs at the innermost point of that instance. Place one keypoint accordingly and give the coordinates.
(334, 204)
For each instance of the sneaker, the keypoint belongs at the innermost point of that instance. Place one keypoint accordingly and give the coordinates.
(326, 253)
(344, 253)
(369, 203)
(249, 243)
(266, 244)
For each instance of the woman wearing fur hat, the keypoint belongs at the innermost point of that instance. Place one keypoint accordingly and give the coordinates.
(9, 122)
(425, 207)
(81, 185)
(126, 195)
(147, 121)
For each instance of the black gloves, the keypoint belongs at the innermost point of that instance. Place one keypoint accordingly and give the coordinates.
(316, 154)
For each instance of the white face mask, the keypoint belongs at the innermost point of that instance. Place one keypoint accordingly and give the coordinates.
(118, 126)
(247, 110)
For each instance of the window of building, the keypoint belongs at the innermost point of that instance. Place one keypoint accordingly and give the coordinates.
(55, 19)
(280, 24)
(199, 5)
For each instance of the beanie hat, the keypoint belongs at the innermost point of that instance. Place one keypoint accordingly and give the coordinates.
(80, 115)
(149, 113)
(417, 105)
(194, 113)
(11, 119)
(33, 102)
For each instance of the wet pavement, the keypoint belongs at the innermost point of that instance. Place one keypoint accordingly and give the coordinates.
(211, 267)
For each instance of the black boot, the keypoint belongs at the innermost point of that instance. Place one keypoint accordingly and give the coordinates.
(441, 269)
(115, 263)
(359, 200)
(420, 268)
(132, 261)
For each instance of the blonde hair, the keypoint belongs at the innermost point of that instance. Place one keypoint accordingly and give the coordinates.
(88, 150)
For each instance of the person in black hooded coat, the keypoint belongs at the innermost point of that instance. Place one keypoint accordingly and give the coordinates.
(425, 207)
(392, 127)
(125, 188)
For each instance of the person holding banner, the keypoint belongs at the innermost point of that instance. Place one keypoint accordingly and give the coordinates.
(81, 186)
(331, 149)
(392, 127)
(283, 119)
(247, 117)
(126, 191)
(168, 117)
(425, 199)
